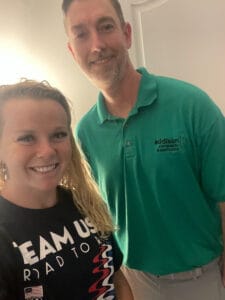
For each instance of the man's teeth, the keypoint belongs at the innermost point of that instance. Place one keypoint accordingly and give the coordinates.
(45, 169)
(100, 61)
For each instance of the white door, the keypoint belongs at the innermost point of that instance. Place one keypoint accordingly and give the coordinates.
(184, 39)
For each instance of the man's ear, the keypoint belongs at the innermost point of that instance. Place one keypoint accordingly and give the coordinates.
(128, 34)
(71, 50)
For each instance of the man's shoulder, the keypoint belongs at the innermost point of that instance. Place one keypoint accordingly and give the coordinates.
(87, 122)
(179, 85)
(185, 97)
(88, 117)
(183, 92)
(169, 87)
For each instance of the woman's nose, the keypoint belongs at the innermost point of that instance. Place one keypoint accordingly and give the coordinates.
(45, 149)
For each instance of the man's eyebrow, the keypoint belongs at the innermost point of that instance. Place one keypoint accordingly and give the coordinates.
(77, 27)
(101, 20)
(105, 19)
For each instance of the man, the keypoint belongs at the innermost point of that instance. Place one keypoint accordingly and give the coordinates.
(156, 147)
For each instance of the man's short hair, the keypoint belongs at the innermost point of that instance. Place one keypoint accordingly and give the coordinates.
(115, 4)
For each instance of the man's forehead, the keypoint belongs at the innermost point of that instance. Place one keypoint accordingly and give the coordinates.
(97, 22)
(82, 14)
(96, 6)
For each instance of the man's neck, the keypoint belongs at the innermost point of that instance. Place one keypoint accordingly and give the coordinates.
(120, 100)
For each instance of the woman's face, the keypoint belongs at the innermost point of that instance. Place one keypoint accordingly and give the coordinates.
(34, 145)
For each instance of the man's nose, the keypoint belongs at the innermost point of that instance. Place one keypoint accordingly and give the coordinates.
(97, 41)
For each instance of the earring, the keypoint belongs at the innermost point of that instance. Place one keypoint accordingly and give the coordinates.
(3, 171)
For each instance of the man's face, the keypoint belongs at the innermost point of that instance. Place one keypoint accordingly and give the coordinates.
(97, 39)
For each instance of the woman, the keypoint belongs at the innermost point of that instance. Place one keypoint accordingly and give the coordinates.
(55, 230)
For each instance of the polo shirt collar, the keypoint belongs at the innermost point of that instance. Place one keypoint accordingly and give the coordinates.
(147, 94)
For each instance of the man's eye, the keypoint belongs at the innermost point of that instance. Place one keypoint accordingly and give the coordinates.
(26, 139)
(107, 27)
(80, 35)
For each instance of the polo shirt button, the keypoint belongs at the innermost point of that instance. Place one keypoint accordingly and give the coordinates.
(128, 143)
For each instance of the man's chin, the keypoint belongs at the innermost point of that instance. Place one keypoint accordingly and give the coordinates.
(101, 77)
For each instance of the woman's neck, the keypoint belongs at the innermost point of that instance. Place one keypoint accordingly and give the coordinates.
(33, 199)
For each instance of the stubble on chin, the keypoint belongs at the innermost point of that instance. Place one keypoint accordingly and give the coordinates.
(107, 77)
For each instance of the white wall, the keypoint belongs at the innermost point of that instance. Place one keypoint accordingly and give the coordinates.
(184, 39)
(180, 38)
(33, 30)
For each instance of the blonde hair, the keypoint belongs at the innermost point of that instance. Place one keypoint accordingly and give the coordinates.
(85, 191)
(77, 178)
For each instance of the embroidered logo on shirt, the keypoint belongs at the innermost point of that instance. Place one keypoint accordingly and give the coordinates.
(33, 292)
(168, 144)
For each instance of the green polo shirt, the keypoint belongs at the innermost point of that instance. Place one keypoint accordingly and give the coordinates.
(162, 173)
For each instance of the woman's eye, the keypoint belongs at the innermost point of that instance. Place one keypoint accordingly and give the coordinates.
(60, 135)
(26, 139)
